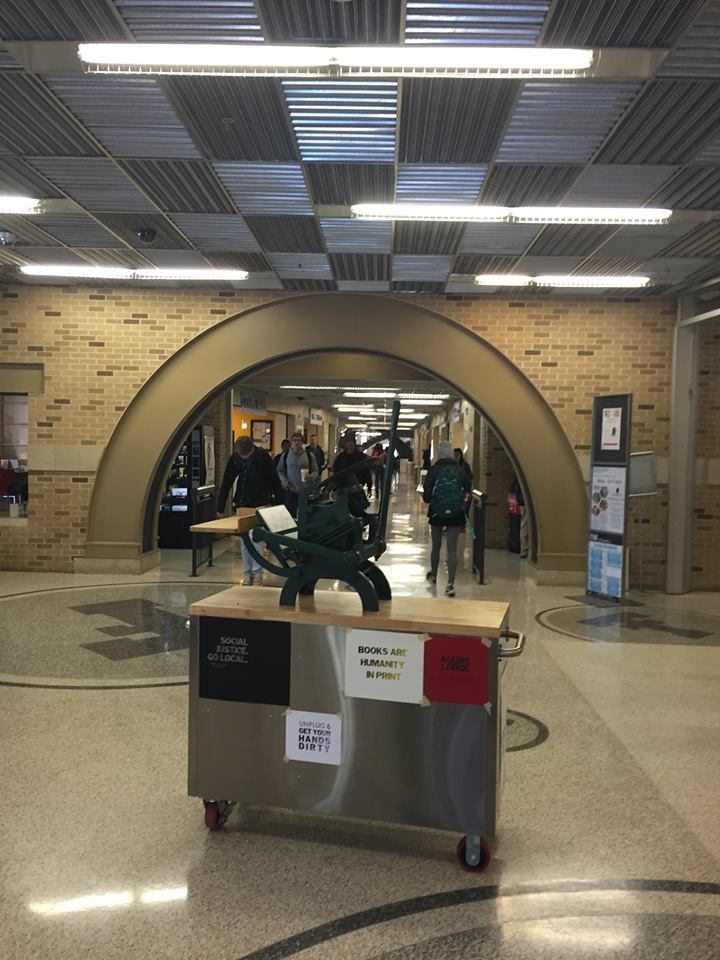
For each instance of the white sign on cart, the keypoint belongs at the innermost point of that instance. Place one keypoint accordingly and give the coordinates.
(313, 737)
(383, 665)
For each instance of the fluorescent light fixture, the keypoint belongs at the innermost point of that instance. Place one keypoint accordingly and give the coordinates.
(419, 397)
(181, 273)
(94, 901)
(125, 273)
(22, 206)
(502, 280)
(597, 281)
(305, 386)
(164, 895)
(81, 272)
(601, 215)
(464, 212)
(386, 395)
(298, 60)
(473, 213)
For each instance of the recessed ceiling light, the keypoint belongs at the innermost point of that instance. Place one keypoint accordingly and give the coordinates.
(305, 386)
(464, 212)
(22, 206)
(477, 213)
(569, 280)
(87, 272)
(590, 215)
(502, 280)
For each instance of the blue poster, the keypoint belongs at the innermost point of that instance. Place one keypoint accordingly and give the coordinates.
(605, 568)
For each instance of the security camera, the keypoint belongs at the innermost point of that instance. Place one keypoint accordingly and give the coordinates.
(7, 238)
(146, 234)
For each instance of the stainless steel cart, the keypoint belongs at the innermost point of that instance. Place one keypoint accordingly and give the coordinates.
(394, 716)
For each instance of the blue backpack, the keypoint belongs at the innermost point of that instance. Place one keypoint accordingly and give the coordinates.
(448, 496)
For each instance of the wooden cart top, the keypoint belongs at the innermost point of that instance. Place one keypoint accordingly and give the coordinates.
(474, 618)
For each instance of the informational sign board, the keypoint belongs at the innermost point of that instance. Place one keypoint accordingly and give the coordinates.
(607, 521)
(313, 737)
(382, 665)
(456, 670)
(246, 661)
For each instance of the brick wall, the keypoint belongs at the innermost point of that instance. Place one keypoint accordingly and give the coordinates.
(706, 556)
(496, 477)
(98, 346)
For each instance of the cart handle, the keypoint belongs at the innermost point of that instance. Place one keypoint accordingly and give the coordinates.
(515, 650)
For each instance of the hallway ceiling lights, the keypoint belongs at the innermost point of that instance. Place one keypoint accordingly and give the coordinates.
(305, 386)
(86, 272)
(22, 206)
(472, 213)
(574, 280)
(298, 60)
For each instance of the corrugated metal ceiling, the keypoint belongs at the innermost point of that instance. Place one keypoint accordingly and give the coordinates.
(426, 237)
(95, 183)
(267, 188)
(409, 267)
(499, 22)
(697, 53)
(214, 231)
(417, 286)
(360, 266)
(498, 238)
(17, 176)
(346, 183)
(470, 264)
(254, 262)
(694, 188)
(357, 236)
(569, 241)
(362, 21)
(235, 118)
(670, 122)
(603, 184)
(191, 21)
(126, 226)
(309, 286)
(26, 230)
(516, 184)
(458, 183)
(339, 120)
(619, 23)
(77, 230)
(60, 20)
(563, 122)
(31, 125)
(287, 233)
(183, 186)
(701, 242)
(313, 266)
(130, 116)
(453, 121)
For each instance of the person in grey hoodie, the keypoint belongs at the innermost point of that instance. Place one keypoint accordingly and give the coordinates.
(297, 469)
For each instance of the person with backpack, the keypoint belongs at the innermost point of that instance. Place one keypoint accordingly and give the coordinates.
(297, 468)
(446, 488)
(257, 486)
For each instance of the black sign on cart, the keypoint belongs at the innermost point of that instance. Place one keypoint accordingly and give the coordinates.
(247, 661)
(610, 459)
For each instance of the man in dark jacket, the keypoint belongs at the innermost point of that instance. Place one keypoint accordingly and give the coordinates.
(446, 488)
(317, 452)
(343, 475)
(258, 484)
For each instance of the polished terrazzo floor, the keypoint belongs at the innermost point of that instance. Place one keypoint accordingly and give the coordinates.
(609, 839)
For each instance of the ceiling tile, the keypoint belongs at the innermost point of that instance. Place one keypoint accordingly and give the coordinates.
(417, 286)
(472, 264)
(254, 262)
(697, 52)
(515, 184)
(216, 231)
(313, 266)
(710, 153)
(362, 21)
(77, 230)
(191, 21)
(266, 188)
(569, 241)
(645, 241)
(187, 186)
(27, 230)
(611, 266)
(309, 285)
(60, 20)
(694, 188)
(364, 286)
(618, 185)
(286, 233)
(563, 122)
(32, 125)
(670, 122)
(703, 241)
(453, 121)
(360, 266)
(422, 236)
(409, 267)
(96, 183)
(126, 226)
(357, 236)
(458, 183)
(674, 269)
(235, 118)
(498, 239)
(347, 183)
(17, 176)
(343, 119)
(498, 22)
(49, 255)
(538, 266)
(619, 23)
(130, 116)
(173, 259)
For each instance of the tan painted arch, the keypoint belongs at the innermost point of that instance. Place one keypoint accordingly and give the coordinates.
(249, 341)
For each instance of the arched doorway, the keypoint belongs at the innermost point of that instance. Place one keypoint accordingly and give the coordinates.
(295, 326)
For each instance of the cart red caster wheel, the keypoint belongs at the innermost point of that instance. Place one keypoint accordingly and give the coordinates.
(212, 815)
(483, 853)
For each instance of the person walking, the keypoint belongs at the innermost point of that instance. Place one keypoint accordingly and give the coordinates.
(297, 469)
(378, 469)
(284, 447)
(351, 470)
(258, 485)
(318, 453)
(445, 490)
(462, 463)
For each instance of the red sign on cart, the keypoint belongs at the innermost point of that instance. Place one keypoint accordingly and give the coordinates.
(456, 670)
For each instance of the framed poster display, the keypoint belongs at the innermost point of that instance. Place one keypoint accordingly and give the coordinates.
(261, 432)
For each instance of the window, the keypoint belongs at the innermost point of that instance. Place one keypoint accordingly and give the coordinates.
(14, 430)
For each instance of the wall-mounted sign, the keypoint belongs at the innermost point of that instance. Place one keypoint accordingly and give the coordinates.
(381, 665)
(456, 670)
(249, 401)
(316, 416)
(313, 737)
(607, 500)
(247, 661)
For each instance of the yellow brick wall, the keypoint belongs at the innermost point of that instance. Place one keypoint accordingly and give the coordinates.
(99, 345)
